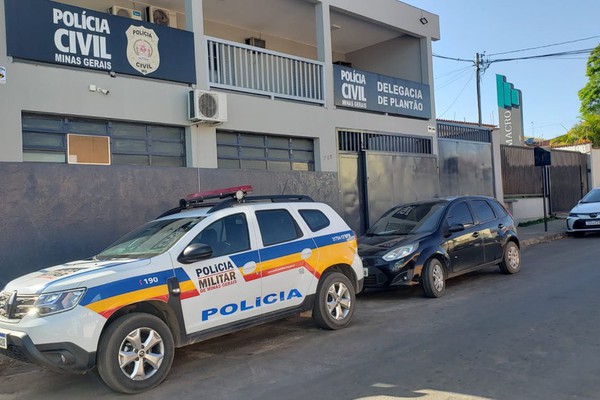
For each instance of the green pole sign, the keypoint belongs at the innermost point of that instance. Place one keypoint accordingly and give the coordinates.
(510, 112)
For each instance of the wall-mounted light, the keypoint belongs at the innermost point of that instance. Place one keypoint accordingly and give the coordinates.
(423, 20)
(97, 89)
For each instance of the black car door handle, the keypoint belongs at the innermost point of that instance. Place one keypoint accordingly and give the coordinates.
(475, 234)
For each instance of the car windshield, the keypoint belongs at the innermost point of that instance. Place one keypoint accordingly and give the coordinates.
(409, 219)
(592, 197)
(149, 240)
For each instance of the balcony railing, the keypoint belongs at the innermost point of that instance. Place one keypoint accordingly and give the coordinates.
(251, 69)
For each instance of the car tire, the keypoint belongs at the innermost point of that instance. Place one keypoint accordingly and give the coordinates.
(434, 278)
(335, 301)
(132, 341)
(511, 260)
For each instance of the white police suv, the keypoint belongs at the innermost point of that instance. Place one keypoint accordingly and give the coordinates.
(198, 271)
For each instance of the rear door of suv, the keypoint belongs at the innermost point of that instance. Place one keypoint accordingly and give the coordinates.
(288, 257)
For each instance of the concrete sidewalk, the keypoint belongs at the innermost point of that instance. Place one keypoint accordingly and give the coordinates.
(534, 234)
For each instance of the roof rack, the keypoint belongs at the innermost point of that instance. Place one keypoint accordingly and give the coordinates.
(197, 199)
(256, 199)
(232, 196)
(237, 192)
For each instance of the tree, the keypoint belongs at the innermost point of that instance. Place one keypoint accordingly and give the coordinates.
(590, 94)
(587, 130)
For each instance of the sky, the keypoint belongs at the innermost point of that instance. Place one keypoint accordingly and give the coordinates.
(549, 86)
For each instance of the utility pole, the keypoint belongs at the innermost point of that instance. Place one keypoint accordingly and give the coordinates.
(478, 72)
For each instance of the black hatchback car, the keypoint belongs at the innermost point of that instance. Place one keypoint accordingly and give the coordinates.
(430, 241)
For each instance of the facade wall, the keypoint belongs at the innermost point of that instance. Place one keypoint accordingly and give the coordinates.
(71, 211)
(54, 213)
(394, 57)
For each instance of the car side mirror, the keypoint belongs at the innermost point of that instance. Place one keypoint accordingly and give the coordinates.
(456, 228)
(195, 252)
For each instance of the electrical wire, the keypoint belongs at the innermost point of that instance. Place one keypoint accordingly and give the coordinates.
(453, 59)
(454, 79)
(459, 94)
(544, 46)
(564, 53)
(452, 72)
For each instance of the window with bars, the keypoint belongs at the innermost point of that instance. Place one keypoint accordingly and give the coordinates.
(243, 150)
(358, 141)
(46, 139)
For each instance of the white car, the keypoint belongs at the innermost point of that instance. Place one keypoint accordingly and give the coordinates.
(585, 216)
(199, 271)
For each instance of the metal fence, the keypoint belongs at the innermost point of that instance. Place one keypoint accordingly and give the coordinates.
(356, 141)
(236, 66)
(519, 175)
(462, 132)
(567, 176)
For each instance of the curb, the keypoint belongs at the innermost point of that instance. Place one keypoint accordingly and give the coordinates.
(544, 239)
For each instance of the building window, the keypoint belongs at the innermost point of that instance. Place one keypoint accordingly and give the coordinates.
(255, 151)
(47, 138)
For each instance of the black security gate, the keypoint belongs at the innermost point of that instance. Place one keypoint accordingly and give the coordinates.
(378, 171)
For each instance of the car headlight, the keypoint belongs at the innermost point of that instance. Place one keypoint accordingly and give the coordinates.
(52, 303)
(573, 215)
(401, 252)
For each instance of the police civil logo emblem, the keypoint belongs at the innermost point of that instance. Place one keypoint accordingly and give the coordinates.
(142, 49)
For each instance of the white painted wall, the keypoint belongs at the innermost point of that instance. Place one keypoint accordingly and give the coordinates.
(397, 57)
(54, 89)
(526, 209)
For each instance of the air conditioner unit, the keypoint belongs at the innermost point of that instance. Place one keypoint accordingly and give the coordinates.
(161, 16)
(256, 42)
(125, 12)
(205, 106)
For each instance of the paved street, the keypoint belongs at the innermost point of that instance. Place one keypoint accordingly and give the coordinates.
(533, 335)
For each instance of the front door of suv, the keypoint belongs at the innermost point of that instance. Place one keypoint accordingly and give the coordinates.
(227, 283)
(464, 247)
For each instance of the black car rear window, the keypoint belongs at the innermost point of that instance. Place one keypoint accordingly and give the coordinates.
(483, 210)
(498, 209)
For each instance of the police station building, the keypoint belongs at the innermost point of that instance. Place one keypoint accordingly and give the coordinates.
(112, 110)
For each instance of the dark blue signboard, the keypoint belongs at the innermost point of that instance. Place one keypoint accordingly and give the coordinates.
(373, 92)
(56, 33)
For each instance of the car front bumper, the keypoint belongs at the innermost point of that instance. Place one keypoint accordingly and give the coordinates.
(380, 274)
(55, 356)
(583, 223)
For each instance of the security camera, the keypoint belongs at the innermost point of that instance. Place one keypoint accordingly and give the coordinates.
(104, 91)
(112, 74)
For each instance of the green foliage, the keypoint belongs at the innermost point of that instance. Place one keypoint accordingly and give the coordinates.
(590, 94)
(587, 130)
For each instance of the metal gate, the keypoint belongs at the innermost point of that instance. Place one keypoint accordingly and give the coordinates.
(378, 171)
(567, 176)
(466, 168)
(351, 191)
(394, 179)
(568, 180)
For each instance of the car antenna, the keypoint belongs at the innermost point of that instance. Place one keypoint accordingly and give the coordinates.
(285, 186)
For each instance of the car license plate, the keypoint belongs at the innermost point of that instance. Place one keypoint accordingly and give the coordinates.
(366, 271)
(3, 344)
(592, 222)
